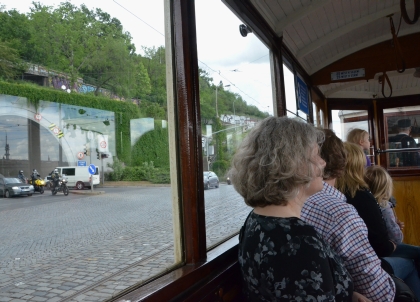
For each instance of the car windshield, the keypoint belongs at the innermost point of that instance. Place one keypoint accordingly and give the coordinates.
(11, 180)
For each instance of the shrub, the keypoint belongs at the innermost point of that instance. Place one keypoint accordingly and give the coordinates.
(117, 170)
(220, 167)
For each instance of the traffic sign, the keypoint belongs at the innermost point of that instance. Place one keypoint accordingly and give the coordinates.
(103, 143)
(92, 169)
(80, 155)
(81, 163)
(38, 117)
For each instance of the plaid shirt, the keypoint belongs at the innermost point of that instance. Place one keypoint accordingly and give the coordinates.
(341, 226)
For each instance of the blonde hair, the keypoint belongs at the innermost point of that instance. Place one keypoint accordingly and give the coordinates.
(353, 178)
(356, 135)
(380, 184)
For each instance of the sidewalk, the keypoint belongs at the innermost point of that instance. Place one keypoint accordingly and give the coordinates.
(114, 184)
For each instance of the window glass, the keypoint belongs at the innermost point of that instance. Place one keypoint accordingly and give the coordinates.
(235, 93)
(318, 115)
(343, 121)
(290, 82)
(289, 86)
(93, 92)
(402, 132)
(69, 172)
(321, 117)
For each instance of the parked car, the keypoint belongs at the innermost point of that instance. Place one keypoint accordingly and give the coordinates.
(210, 180)
(11, 186)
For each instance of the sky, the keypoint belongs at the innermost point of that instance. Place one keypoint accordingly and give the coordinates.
(241, 62)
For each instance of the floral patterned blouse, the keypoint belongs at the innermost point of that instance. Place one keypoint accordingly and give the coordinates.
(285, 259)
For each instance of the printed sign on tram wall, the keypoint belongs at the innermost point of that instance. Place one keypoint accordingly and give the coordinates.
(302, 95)
(348, 74)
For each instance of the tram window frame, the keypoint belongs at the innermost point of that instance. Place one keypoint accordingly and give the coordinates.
(199, 264)
(296, 112)
(394, 102)
(353, 104)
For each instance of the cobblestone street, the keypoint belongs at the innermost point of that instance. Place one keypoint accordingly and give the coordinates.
(90, 248)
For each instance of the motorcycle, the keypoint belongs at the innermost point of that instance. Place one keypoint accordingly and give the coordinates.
(38, 184)
(62, 186)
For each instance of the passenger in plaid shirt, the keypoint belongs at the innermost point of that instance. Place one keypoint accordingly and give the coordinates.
(341, 226)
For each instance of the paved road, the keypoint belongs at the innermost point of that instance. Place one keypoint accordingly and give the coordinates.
(89, 248)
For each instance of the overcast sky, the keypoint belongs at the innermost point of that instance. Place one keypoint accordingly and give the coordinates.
(242, 63)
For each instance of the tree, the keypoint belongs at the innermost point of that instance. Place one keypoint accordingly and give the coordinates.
(142, 81)
(10, 63)
(80, 42)
(15, 31)
(155, 63)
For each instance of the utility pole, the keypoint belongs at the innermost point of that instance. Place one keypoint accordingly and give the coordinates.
(217, 111)
(217, 87)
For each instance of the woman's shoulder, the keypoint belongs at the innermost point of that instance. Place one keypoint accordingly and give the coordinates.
(360, 194)
(289, 226)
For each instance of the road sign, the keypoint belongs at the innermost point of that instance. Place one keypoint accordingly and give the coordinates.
(92, 169)
(56, 130)
(81, 163)
(38, 117)
(80, 155)
(103, 143)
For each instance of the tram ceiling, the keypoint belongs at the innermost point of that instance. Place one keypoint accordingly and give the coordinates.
(326, 36)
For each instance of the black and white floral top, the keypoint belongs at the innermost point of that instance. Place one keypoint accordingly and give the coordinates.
(285, 259)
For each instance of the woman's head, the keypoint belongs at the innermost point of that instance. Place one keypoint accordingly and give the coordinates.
(332, 151)
(359, 137)
(380, 183)
(353, 177)
(278, 158)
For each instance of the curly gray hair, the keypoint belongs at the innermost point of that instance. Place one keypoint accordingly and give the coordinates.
(269, 165)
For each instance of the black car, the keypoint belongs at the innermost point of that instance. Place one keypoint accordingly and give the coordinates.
(210, 180)
(12, 186)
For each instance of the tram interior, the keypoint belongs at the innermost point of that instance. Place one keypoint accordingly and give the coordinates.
(361, 63)
(357, 61)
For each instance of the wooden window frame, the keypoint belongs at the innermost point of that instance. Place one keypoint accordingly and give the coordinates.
(200, 267)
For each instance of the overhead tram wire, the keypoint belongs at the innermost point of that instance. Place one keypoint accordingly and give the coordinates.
(230, 82)
(140, 19)
(198, 60)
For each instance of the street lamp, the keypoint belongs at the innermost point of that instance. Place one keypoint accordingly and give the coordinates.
(217, 87)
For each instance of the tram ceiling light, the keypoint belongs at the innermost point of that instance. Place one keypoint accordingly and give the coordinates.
(416, 74)
(244, 30)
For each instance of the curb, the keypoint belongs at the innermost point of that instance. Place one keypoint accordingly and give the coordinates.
(87, 192)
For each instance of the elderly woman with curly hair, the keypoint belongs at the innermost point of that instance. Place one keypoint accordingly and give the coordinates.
(282, 258)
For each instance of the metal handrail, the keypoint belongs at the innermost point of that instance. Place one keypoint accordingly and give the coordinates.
(396, 150)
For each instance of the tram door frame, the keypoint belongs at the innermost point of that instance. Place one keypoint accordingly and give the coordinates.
(354, 104)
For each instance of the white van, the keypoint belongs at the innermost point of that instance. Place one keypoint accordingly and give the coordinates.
(78, 176)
